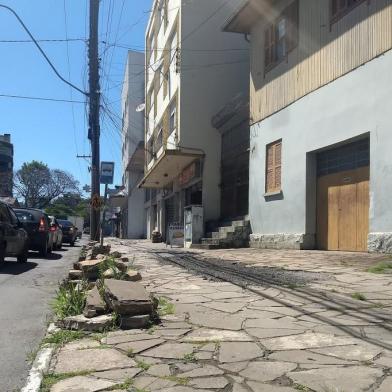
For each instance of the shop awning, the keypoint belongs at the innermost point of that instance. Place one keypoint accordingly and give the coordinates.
(136, 161)
(168, 166)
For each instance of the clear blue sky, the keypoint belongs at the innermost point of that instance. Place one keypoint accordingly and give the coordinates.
(48, 131)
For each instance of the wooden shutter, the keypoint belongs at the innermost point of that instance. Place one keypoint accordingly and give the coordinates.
(291, 14)
(273, 181)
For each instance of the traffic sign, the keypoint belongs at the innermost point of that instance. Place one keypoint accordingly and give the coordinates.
(107, 173)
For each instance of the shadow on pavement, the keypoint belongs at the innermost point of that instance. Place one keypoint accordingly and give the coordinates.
(50, 256)
(15, 268)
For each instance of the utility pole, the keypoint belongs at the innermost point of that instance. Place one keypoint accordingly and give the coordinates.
(94, 127)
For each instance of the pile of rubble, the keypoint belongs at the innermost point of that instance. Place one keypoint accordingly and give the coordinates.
(114, 298)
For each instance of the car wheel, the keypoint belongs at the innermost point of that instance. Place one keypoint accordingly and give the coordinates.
(44, 250)
(22, 258)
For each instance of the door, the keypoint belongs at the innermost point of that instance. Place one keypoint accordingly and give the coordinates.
(343, 210)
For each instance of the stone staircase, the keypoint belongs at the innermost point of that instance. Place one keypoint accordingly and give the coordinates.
(234, 234)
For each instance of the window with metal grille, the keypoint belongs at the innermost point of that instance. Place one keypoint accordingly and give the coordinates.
(339, 8)
(281, 36)
(273, 175)
(348, 157)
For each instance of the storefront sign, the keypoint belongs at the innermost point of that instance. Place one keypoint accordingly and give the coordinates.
(188, 174)
(176, 235)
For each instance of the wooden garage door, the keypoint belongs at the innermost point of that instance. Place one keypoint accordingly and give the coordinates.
(343, 197)
(343, 210)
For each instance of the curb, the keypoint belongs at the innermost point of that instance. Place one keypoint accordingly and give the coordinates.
(40, 366)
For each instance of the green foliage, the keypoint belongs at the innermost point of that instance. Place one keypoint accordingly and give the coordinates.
(143, 365)
(70, 299)
(165, 307)
(110, 263)
(178, 380)
(59, 338)
(51, 379)
(383, 267)
(358, 296)
(123, 386)
(190, 358)
(300, 387)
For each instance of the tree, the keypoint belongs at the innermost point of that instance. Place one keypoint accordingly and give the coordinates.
(38, 185)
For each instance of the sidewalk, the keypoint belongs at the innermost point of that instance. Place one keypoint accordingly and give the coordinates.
(216, 336)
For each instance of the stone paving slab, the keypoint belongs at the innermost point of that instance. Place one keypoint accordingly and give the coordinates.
(224, 338)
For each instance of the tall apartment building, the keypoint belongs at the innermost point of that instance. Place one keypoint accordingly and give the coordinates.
(192, 69)
(133, 215)
(320, 166)
(6, 165)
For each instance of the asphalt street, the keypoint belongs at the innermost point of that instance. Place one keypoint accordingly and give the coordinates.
(26, 290)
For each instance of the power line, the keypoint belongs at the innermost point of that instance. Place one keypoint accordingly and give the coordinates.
(41, 50)
(40, 98)
(26, 41)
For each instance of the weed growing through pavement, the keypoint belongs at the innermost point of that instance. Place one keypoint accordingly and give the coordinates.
(190, 358)
(143, 365)
(165, 307)
(300, 387)
(110, 263)
(59, 338)
(50, 379)
(383, 267)
(70, 299)
(30, 357)
(124, 386)
(130, 353)
(358, 296)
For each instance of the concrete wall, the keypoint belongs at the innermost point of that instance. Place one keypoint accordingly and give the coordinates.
(133, 133)
(211, 74)
(352, 106)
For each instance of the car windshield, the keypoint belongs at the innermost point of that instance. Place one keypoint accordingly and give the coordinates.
(25, 216)
(65, 223)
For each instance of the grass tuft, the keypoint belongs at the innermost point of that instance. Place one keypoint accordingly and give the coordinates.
(51, 379)
(59, 338)
(358, 296)
(165, 307)
(190, 358)
(70, 299)
(109, 263)
(143, 365)
(178, 380)
(124, 386)
(383, 267)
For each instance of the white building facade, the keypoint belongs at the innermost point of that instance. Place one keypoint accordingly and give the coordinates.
(192, 69)
(320, 166)
(132, 213)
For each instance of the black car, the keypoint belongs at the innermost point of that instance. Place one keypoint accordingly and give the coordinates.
(70, 232)
(13, 238)
(38, 227)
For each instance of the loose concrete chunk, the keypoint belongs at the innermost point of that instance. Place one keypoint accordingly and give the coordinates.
(82, 384)
(134, 322)
(239, 352)
(94, 304)
(110, 273)
(353, 379)
(132, 276)
(121, 265)
(90, 268)
(91, 360)
(83, 323)
(267, 371)
(128, 298)
(75, 274)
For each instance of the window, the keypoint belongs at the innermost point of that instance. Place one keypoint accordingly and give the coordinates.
(173, 118)
(158, 141)
(273, 175)
(281, 36)
(339, 8)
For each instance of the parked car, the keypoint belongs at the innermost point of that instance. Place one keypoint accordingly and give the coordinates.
(69, 231)
(37, 225)
(13, 238)
(57, 233)
(86, 230)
